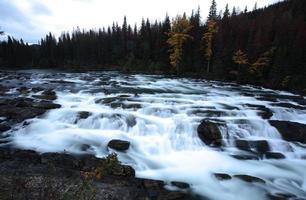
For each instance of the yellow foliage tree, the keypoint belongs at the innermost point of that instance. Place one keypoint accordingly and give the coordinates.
(208, 38)
(262, 62)
(178, 35)
(240, 58)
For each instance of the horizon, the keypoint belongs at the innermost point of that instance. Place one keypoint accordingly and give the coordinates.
(31, 20)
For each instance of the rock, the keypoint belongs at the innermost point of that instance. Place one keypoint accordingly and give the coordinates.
(180, 185)
(281, 196)
(262, 110)
(250, 179)
(23, 90)
(274, 155)
(61, 176)
(47, 95)
(222, 176)
(119, 145)
(246, 157)
(290, 131)
(84, 114)
(289, 105)
(123, 170)
(209, 133)
(47, 105)
(4, 127)
(261, 146)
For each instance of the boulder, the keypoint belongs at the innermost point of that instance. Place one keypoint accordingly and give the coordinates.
(119, 145)
(83, 115)
(290, 131)
(210, 133)
(46, 95)
(274, 155)
(261, 146)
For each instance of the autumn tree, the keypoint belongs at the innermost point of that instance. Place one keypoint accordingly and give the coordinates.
(178, 36)
(240, 58)
(261, 65)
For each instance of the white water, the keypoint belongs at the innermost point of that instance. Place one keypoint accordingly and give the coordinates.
(163, 136)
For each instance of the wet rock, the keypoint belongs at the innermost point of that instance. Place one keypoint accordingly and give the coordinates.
(262, 110)
(222, 176)
(23, 90)
(37, 89)
(47, 105)
(280, 196)
(119, 145)
(47, 95)
(209, 133)
(4, 127)
(274, 155)
(83, 115)
(261, 146)
(3, 89)
(84, 147)
(290, 131)
(125, 105)
(61, 160)
(180, 185)
(250, 179)
(289, 105)
(245, 157)
(153, 184)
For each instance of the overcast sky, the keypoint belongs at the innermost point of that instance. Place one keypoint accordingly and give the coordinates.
(32, 19)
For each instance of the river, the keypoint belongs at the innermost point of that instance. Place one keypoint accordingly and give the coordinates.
(159, 116)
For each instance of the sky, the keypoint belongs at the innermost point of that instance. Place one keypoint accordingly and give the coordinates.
(33, 19)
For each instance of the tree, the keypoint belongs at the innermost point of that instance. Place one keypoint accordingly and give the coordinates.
(255, 6)
(226, 13)
(240, 58)
(178, 35)
(208, 37)
(212, 11)
(260, 67)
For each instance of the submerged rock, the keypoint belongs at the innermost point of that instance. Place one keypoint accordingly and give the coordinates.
(84, 115)
(274, 155)
(290, 131)
(222, 176)
(260, 146)
(180, 185)
(119, 145)
(250, 179)
(210, 133)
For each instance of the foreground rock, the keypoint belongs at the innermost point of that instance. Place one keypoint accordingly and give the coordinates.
(119, 145)
(19, 109)
(62, 176)
(290, 131)
(210, 133)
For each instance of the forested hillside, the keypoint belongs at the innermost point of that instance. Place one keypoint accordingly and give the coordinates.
(264, 46)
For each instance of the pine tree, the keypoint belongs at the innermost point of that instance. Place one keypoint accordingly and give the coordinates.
(255, 6)
(212, 11)
(226, 13)
(178, 36)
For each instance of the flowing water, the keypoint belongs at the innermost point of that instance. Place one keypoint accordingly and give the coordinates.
(159, 116)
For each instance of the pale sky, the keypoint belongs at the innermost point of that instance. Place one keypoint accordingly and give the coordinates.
(32, 19)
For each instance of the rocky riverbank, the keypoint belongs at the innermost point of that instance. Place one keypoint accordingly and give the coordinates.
(25, 174)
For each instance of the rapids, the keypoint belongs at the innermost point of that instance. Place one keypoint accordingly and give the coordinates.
(159, 116)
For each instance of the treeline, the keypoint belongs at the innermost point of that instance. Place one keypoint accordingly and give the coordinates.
(264, 46)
